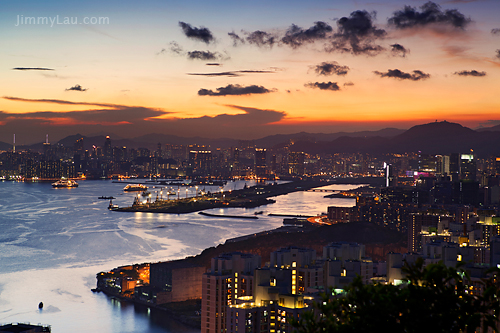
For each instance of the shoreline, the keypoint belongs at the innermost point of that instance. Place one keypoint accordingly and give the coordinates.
(378, 241)
(176, 315)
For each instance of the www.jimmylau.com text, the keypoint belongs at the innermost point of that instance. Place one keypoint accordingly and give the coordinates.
(60, 20)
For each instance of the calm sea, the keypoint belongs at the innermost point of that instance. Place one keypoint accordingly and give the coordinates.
(54, 241)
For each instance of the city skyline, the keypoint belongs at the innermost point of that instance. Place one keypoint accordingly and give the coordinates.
(245, 70)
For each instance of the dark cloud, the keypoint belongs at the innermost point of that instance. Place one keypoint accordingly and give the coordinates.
(398, 49)
(261, 38)
(233, 73)
(77, 88)
(204, 55)
(235, 89)
(470, 73)
(175, 48)
(59, 101)
(248, 123)
(397, 74)
(431, 13)
(348, 84)
(330, 68)
(236, 38)
(32, 69)
(323, 85)
(497, 53)
(252, 71)
(462, 1)
(230, 74)
(112, 114)
(495, 31)
(296, 36)
(254, 116)
(490, 123)
(357, 34)
(202, 34)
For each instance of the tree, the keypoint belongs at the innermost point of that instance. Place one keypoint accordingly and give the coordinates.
(434, 298)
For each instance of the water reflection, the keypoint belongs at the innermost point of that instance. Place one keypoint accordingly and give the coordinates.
(53, 242)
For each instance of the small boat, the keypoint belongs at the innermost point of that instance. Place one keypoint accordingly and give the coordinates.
(111, 206)
(135, 187)
(106, 198)
(65, 183)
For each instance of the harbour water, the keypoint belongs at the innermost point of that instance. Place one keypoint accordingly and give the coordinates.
(54, 241)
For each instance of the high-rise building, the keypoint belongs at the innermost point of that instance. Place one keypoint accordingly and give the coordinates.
(300, 261)
(454, 166)
(468, 167)
(230, 276)
(426, 162)
(391, 175)
(107, 150)
(260, 163)
(200, 162)
(442, 164)
(343, 262)
(425, 227)
(270, 308)
(296, 163)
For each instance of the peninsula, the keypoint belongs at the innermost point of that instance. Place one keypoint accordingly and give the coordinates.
(247, 197)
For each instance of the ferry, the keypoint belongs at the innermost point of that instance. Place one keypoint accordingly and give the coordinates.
(65, 183)
(135, 187)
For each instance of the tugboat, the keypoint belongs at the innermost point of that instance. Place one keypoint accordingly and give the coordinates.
(65, 183)
(111, 206)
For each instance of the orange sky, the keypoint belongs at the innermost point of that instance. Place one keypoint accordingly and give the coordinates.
(145, 70)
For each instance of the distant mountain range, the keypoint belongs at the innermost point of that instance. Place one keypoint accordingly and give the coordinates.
(433, 138)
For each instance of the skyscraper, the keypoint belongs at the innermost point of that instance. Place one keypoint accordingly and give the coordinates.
(467, 166)
(200, 162)
(230, 276)
(260, 163)
(296, 163)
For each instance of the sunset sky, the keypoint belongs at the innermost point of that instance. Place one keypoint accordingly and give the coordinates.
(244, 69)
